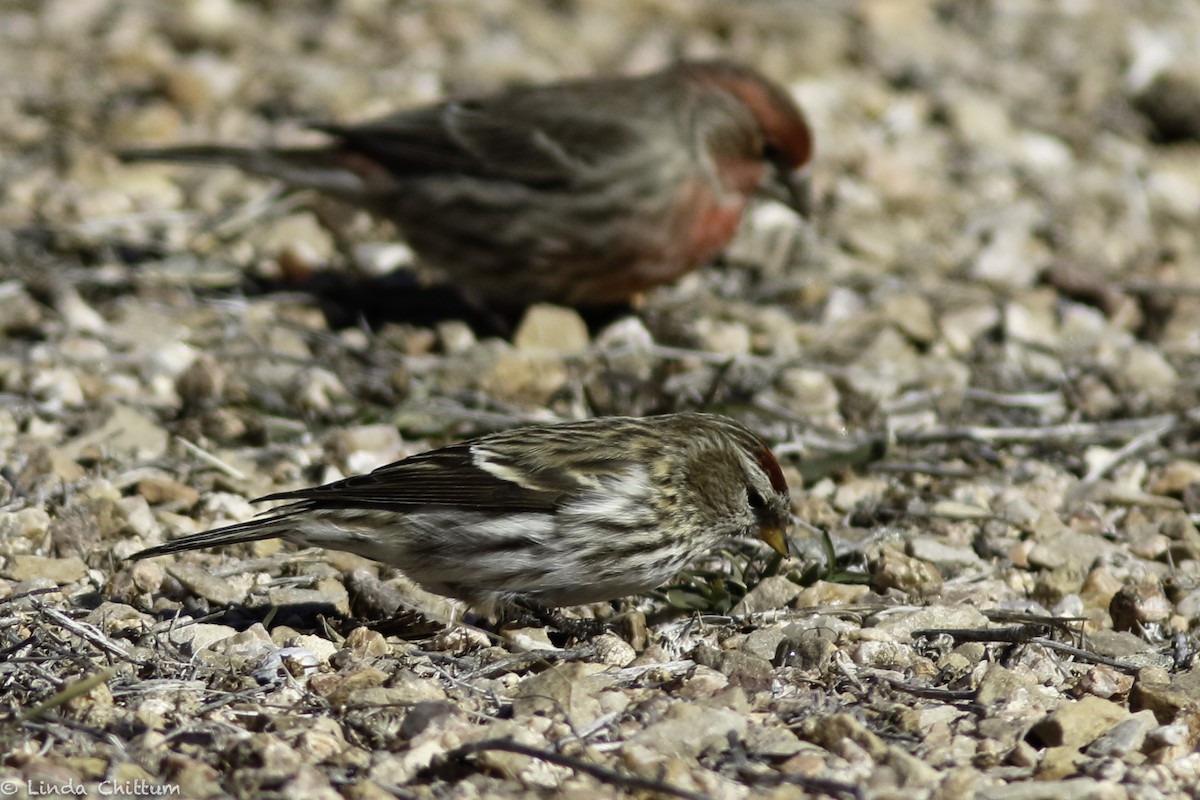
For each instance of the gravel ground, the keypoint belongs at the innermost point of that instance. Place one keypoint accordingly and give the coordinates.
(978, 361)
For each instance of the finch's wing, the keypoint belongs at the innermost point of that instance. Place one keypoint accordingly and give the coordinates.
(469, 475)
(539, 139)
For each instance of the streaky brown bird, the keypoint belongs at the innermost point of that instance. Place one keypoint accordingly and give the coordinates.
(543, 517)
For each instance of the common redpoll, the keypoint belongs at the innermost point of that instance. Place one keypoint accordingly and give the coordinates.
(543, 517)
(581, 193)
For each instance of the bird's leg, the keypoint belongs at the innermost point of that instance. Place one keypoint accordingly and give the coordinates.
(575, 628)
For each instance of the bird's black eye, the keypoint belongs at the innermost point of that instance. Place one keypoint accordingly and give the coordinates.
(757, 501)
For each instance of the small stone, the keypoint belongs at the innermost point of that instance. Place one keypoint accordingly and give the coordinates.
(164, 490)
(57, 387)
(688, 730)
(764, 642)
(724, 337)
(199, 635)
(551, 329)
(1174, 478)
(298, 243)
(1125, 737)
(139, 519)
(380, 258)
(455, 336)
(912, 314)
(901, 624)
(225, 591)
(147, 576)
(1172, 104)
(1169, 697)
(961, 328)
(1143, 372)
(948, 560)
(823, 593)
(704, 682)
(1189, 605)
(1013, 256)
(321, 649)
(27, 524)
(404, 691)
(1135, 606)
(1105, 681)
(125, 431)
(317, 391)
(1079, 723)
(565, 689)
(322, 740)
(382, 438)
(811, 649)
(1058, 763)
(329, 593)
(810, 393)
(61, 571)
(76, 313)
(613, 650)
(891, 569)
(1033, 318)
(772, 742)
(19, 312)
(202, 382)
(770, 593)
(1099, 587)
(746, 670)
(525, 377)
(366, 643)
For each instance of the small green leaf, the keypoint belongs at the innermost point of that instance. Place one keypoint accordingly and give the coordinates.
(686, 600)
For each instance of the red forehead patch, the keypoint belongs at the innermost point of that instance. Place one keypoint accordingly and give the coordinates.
(767, 461)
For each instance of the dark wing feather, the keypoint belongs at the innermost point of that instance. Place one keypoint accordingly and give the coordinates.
(525, 135)
(445, 477)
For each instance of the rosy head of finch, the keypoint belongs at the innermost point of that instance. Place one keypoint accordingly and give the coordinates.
(551, 516)
(584, 192)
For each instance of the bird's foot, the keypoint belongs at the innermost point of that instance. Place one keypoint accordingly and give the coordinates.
(573, 627)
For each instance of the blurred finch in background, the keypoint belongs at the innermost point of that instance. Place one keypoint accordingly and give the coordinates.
(542, 517)
(582, 193)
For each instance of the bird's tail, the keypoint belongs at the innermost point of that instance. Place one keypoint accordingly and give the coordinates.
(327, 169)
(250, 531)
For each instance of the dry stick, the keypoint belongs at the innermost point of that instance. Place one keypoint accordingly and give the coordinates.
(1145, 287)
(1026, 634)
(211, 460)
(1071, 431)
(31, 593)
(1013, 400)
(1134, 446)
(1088, 656)
(934, 693)
(1017, 634)
(69, 692)
(602, 774)
(89, 633)
(523, 661)
(922, 468)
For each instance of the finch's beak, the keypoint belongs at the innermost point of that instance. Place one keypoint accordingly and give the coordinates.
(775, 538)
(791, 187)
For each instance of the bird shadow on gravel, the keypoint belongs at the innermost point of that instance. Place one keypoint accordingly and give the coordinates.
(346, 299)
(398, 297)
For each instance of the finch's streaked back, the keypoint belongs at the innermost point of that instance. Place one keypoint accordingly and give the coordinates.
(550, 516)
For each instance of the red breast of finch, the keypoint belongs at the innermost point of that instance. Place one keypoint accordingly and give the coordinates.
(552, 516)
(581, 193)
